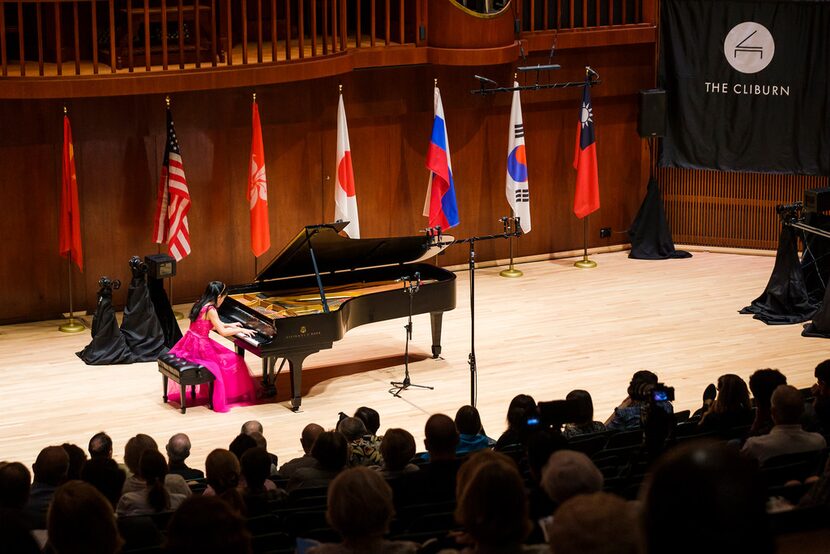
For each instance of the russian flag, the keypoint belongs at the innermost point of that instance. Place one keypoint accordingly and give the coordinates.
(440, 206)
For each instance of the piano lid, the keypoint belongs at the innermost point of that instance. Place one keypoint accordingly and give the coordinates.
(335, 252)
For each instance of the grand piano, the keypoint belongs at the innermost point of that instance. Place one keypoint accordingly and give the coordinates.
(322, 284)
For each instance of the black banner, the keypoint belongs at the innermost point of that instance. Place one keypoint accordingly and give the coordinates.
(747, 85)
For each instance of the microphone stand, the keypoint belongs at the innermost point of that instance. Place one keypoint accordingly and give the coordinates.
(410, 286)
(471, 360)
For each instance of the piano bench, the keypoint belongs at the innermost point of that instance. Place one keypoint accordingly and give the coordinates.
(185, 373)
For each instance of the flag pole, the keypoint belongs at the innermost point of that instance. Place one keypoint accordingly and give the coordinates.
(177, 314)
(585, 263)
(71, 326)
(510, 227)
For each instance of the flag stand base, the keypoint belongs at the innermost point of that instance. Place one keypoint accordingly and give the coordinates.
(71, 326)
(511, 272)
(585, 263)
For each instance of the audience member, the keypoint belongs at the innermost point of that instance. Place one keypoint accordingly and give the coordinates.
(81, 521)
(786, 436)
(77, 458)
(585, 424)
(569, 473)
(821, 394)
(629, 414)
(705, 497)
(731, 407)
(223, 473)
(307, 438)
(252, 426)
(471, 437)
(492, 505)
(540, 447)
(100, 446)
(331, 455)
(397, 449)
(257, 490)
(240, 444)
(133, 451)
(15, 536)
(178, 450)
(597, 523)
(207, 525)
(360, 509)
(50, 472)
(371, 419)
(155, 497)
(105, 475)
(522, 408)
(260, 441)
(435, 481)
(364, 449)
(15, 483)
(762, 383)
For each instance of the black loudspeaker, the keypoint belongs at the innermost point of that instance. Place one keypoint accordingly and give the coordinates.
(652, 121)
(817, 200)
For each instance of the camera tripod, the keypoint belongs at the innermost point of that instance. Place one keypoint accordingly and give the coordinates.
(411, 285)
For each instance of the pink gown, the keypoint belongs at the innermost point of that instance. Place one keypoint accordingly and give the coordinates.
(233, 385)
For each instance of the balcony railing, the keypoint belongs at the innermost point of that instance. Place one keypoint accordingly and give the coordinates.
(51, 38)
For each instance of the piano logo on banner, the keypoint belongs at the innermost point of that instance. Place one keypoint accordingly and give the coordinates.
(749, 47)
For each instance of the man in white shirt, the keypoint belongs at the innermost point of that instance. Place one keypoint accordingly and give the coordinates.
(787, 436)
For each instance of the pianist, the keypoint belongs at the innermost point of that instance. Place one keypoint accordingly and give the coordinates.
(233, 385)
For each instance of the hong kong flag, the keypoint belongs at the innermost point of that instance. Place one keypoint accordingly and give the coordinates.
(258, 190)
(586, 198)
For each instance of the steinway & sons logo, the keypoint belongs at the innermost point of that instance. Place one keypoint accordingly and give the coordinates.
(749, 48)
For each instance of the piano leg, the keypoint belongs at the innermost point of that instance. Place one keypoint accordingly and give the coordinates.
(295, 364)
(435, 319)
(269, 382)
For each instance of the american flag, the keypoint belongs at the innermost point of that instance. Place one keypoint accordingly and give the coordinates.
(173, 199)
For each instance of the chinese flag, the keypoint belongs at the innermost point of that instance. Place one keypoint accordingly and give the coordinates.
(258, 191)
(586, 198)
(70, 223)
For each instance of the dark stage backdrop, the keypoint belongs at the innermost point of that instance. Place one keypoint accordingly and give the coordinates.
(747, 85)
(119, 143)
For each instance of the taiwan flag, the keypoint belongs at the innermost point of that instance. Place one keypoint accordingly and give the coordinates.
(440, 206)
(586, 198)
(518, 193)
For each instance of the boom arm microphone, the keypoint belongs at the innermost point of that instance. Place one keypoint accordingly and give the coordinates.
(486, 80)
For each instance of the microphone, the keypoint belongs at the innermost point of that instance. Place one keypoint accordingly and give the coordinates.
(486, 80)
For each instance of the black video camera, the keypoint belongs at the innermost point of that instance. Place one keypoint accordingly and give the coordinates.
(558, 412)
(652, 392)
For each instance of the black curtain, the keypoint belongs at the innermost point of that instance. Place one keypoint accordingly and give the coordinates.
(108, 345)
(164, 312)
(649, 233)
(786, 299)
(140, 326)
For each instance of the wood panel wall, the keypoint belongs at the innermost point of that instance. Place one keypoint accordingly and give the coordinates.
(719, 208)
(119, 144)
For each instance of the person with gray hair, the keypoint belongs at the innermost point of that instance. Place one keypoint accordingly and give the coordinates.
(787, 436)
(569, 473)
(252, 426)
(364, 449)
(178, 450)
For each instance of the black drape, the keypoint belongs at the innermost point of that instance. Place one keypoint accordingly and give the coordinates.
(164, 312)
(108, 345)
(649, 233)
(140, 326)
(786, 299)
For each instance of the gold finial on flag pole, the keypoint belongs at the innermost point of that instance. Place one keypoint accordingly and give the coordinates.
(167, 101)
(515, 76)
(65, 111)
(254, 96)
(340, 88)
(435, 82)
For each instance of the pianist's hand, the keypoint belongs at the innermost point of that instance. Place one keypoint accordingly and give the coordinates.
(245, 332)
(234, 324)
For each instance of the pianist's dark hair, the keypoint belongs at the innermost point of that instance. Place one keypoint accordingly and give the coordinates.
(211, 295)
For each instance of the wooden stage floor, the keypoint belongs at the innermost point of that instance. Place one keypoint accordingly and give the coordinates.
(553, 330)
